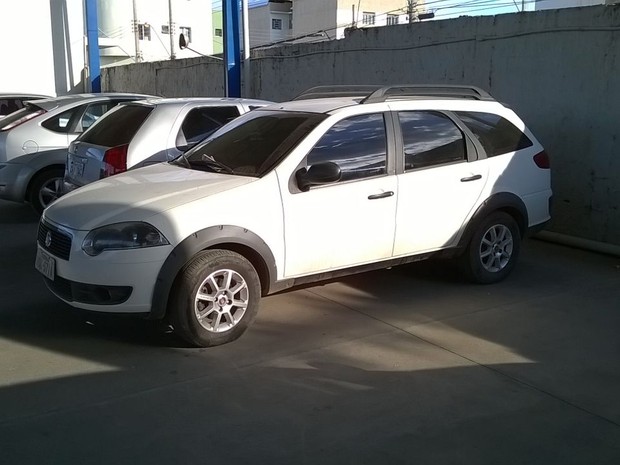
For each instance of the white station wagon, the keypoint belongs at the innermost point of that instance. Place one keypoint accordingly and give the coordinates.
(296, 192)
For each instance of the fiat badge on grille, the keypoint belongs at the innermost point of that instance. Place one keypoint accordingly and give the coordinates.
(48, 239)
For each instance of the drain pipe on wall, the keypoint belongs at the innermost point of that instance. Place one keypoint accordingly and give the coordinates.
(579, 243)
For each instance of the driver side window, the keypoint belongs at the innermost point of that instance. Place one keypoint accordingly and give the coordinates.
(358, 145)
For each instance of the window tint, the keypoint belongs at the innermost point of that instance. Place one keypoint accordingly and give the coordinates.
(118, 127)
(430, 139)
(358, 145)
(252, 144)
(496, 134)
(202, 122)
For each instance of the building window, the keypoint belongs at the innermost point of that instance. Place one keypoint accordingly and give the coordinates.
(368, 17)
(165, 29)
(276, 23)
(218, 32)
(392, 20)
(187, 33)
(144, 31)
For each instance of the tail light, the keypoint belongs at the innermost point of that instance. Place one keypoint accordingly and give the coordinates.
(22, 120)
(114, 161)
(542, 160)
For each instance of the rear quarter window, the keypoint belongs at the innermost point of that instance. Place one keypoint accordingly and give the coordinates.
(496, 134)
(118, 127)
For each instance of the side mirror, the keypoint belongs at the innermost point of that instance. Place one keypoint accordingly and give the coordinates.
(317, 175)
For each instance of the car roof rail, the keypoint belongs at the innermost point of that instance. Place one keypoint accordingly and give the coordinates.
(337, 91)
(427, 90)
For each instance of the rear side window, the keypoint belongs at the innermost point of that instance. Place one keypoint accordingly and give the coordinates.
(9, 105)
(429, 139)
(118, 127)
(202, 122)
(496, 134)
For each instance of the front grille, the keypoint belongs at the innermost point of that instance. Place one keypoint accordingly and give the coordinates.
(94, 294)
(59, 243)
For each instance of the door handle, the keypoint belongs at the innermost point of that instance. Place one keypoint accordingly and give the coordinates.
(475, 177)
(382, 195)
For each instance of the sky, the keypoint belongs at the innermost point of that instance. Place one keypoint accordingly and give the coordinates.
(445, 9)
(448, 8)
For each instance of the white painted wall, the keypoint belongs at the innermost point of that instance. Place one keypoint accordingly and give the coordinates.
(31, 60)
(42, 42)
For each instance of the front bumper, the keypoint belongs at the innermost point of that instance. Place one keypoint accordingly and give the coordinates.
(116, 281)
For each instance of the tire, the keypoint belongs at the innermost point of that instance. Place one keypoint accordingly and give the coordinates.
(202, 309)
(493, 249)
(45, 188)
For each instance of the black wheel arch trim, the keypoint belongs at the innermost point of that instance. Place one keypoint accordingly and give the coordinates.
(502, 201)
(228, 237)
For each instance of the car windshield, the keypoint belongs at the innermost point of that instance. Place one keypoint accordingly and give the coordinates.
(253, 144)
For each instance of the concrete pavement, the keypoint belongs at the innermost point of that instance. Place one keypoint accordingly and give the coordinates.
(401, 366)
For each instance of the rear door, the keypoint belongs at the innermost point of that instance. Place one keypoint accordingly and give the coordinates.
(439, 182)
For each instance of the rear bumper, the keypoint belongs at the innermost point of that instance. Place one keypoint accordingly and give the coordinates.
(14, 179)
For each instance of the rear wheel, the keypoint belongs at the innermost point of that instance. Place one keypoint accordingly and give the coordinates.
(493, 249)
(215, 298)
(45, 188)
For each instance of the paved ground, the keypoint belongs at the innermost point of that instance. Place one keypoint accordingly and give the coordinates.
(402, 366)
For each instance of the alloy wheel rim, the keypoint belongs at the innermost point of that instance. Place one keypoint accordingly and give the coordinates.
(221, 301)
(50, 191)
(496, 248)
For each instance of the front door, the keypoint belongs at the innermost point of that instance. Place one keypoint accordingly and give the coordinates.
(349, 222)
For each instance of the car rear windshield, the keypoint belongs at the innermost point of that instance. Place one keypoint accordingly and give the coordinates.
(118, 126)
(496, 134)
(253, 144)
(25, 113)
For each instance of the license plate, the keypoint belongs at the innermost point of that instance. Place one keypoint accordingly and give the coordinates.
(76, 169)
(45, 264)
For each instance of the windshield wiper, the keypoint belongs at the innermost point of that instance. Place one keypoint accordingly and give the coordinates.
(212, 164)
(180, 161)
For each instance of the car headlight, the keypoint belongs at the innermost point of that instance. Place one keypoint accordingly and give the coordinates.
(122, 236)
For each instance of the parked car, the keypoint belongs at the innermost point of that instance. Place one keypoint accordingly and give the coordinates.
(298, 192)
(150, 131)
(34, 141)
(11, 102)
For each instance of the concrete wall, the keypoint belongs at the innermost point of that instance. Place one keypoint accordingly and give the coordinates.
(558, 69)
(189, 77)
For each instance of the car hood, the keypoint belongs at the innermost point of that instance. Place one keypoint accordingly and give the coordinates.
(137, 195)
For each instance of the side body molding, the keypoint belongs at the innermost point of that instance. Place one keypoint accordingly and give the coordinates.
(229, 237)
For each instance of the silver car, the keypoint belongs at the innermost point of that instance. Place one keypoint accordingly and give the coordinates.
(149, 131)
(34, 141)
(11, 102)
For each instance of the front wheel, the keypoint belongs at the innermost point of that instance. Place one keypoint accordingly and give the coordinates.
(493, 249)
(215, 298)
(46, 187)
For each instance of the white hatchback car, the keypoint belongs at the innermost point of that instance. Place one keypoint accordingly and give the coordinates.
(299, 192)
(142, 133)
